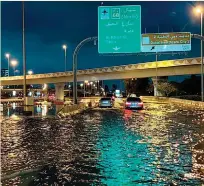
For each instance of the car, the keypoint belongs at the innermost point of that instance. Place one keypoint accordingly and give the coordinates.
(133, 103)
(97, 94)
(132, 95)
(106, 102)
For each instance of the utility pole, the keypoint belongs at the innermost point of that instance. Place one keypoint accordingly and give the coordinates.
(24, 56)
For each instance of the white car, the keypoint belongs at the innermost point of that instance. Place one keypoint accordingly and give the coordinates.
(97, 94)
(132, 95)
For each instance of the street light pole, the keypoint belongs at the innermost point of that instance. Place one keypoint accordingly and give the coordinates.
(65, 57)
(156, 75)
(84, 89)
(201, 46)
(24, 57)
(76, 51)
(8, 58)
(65, 61)
(8, 64)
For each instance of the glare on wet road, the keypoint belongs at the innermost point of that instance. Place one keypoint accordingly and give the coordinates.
(161, 145)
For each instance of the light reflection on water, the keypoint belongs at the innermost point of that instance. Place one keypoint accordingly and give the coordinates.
(38, 110)
(156, 146)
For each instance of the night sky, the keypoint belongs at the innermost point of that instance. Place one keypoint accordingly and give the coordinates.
(51, 24)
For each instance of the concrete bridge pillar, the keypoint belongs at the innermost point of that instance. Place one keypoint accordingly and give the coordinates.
(44, 91)
(159, 80)
(59, 91)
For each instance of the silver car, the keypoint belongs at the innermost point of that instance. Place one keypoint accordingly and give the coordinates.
(105, 102)
(133, 103)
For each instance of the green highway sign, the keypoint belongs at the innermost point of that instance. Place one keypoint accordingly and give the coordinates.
(119, 29)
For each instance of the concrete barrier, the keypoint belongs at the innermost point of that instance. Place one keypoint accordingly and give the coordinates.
(71, 109)
(183, 102)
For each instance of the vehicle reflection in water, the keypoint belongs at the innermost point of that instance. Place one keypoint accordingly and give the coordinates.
(105, 147)
(38, 110)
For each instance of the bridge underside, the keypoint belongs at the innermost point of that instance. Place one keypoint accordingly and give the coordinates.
(126, 74)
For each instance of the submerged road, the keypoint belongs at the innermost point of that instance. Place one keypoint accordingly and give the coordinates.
(161, 145)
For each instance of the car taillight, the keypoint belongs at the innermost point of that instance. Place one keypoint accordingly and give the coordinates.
(128, 103)
(113, 97)
(141, 104)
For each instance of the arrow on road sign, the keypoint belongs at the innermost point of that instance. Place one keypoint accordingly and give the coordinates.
(116, 48)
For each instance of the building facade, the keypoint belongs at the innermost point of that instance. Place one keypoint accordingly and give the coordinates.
(4, 72)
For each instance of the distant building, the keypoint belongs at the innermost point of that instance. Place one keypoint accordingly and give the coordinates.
(4, 72)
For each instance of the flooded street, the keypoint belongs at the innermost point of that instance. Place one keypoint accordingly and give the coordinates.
(160, 145)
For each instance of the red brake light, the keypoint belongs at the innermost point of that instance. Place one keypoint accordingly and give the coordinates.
(128, 103)
(140, 103)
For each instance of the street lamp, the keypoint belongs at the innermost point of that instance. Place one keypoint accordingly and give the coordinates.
(8, 57)
(14, 64)
(97, 84)
(81, 85)
(65, 57)
(200, 11)
(85, 83)
(30, 72)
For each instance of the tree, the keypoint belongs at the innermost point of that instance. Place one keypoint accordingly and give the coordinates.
(127, 85)
(150, 88)
(106, 88)
(114, 87)
(137, 86)
(141, 86)
(191, 85)
(166, 88)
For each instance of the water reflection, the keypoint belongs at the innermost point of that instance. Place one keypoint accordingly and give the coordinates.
(158, 146)
(38, 110)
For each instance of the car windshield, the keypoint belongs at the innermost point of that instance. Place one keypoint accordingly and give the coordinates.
(105, 99)
(134, 99)
(109, 95)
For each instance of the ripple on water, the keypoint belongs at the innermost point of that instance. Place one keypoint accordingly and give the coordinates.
(161, 145)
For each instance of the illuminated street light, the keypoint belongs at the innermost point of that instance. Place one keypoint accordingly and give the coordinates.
(14, 64)
(65, 57)
(86, 82)
(30, 72)
(64, 47)
(200, 11)
(81, 85)
(65, 60)
(8, 58)
(7, 55)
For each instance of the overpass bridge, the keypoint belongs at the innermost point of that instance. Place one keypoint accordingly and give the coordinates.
(175, 67)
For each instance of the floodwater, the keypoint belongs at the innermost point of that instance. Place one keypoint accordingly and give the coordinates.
(161, 145)
(38, 110)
